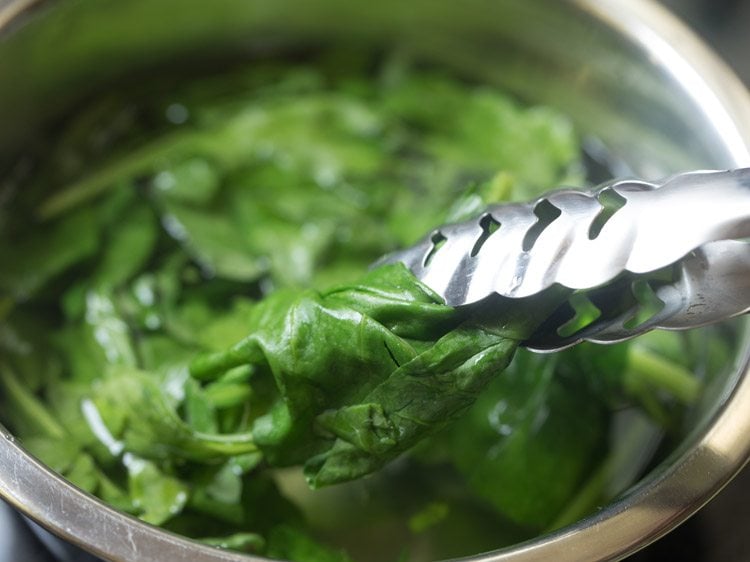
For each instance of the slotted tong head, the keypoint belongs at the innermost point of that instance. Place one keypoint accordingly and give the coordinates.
(636, 256)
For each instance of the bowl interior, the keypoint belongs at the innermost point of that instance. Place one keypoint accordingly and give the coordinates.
(652, 112)
(623, 83)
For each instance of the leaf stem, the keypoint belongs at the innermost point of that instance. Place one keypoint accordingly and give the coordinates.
(111, 173)
(647, 367)
(228, 443)
(30, 407)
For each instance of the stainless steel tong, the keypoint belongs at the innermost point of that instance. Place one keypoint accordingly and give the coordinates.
(635, 255)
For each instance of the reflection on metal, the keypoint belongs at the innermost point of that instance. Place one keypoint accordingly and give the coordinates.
(74, 515)
(614, 245)
(10, 10)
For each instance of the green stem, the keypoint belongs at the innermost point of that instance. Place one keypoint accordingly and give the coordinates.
(226, 395)
(628, 455)
(586, 499)
(211, 366)
(238, 375)
(228, 444)
(139, 161)
(646, 367)
(31, 408)
(244, 542)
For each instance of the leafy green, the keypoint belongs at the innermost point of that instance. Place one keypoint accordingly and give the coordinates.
(25, 409)
(33, 262)
(140, 415)
(130, 245)
(364, 371)
(534, 436)
(188, 331)
(244, 542)
(288, 543)
(157, 497)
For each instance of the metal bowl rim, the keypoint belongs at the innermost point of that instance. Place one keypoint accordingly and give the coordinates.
(646, 513)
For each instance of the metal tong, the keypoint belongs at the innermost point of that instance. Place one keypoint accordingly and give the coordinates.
(635, 256)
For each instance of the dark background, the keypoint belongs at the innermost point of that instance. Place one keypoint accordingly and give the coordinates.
(720, 531)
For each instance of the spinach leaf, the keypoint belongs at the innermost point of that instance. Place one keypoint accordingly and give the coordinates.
(363, 372)
(321, 352)
(24, 410)
(171, 223)
(38, 257)
(214, 242)
(534, 437)
(417, 399)
(156, 496)
(243, 542)
(137, 412)
(131, 242)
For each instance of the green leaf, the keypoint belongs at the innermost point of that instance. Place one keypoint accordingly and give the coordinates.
(128, 246)
(25, 346)
(43, 254)
(102, 338)
(214, 242)
(156, 496)
(115, 495)
(226, 486)
(280, 180)
(108, 329)
(363, 372)
(137, 411)
(200, 412)
(24, 410)
(65, 400)
(57, 455)
(432, 514)
(194, 180)
(242, 542)
(480, 129)
(534, 437)
(289, 543)
(83, 473)
(416, 400)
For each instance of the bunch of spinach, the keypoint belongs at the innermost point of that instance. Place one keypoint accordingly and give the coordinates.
(160, 228)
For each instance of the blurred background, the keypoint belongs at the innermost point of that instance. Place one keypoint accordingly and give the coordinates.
(718, 532)
(724, 24)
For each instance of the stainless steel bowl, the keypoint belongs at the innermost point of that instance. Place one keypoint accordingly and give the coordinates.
(625, 71)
